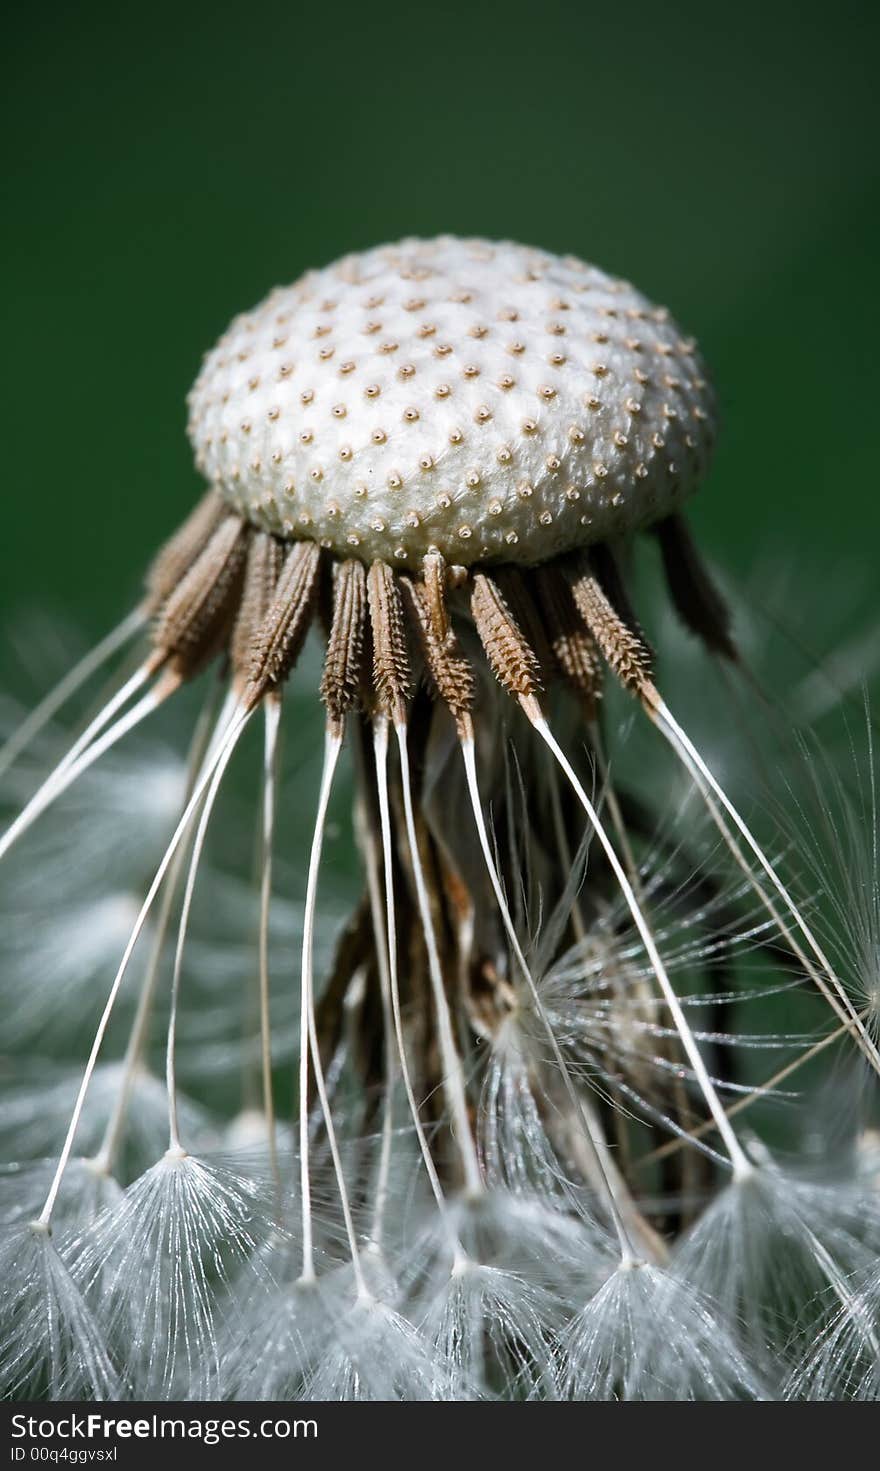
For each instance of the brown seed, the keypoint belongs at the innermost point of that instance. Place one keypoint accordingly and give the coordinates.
(450, 674)
(512, 658)
(264, 561)
(391, 665)
(284, 628)
(197, 617)
(341, 680)
(176, 557)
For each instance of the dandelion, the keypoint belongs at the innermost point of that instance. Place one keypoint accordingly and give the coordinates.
(488, 1138)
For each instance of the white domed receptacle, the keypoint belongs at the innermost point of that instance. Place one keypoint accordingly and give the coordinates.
(492, 401)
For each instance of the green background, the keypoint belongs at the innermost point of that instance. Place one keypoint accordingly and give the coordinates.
(170, 163)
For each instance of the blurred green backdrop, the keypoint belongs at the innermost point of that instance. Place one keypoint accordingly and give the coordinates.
(170, 163)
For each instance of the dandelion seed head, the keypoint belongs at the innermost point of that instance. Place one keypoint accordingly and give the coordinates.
(486, 1129)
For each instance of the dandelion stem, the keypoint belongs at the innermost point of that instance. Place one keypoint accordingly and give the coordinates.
(707, 784)
(742, 1168)
(453, 1079)
(619, 1204)
(223, 759)
(380, 746)
(72, 681)
(332, 748)
(104, 1159)
(86, 751)
(562, 843)
(371, 855)
(272, 718)
(610, 797)
(179, 832)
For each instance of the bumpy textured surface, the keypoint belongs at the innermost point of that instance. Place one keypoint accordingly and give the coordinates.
(489, 400)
